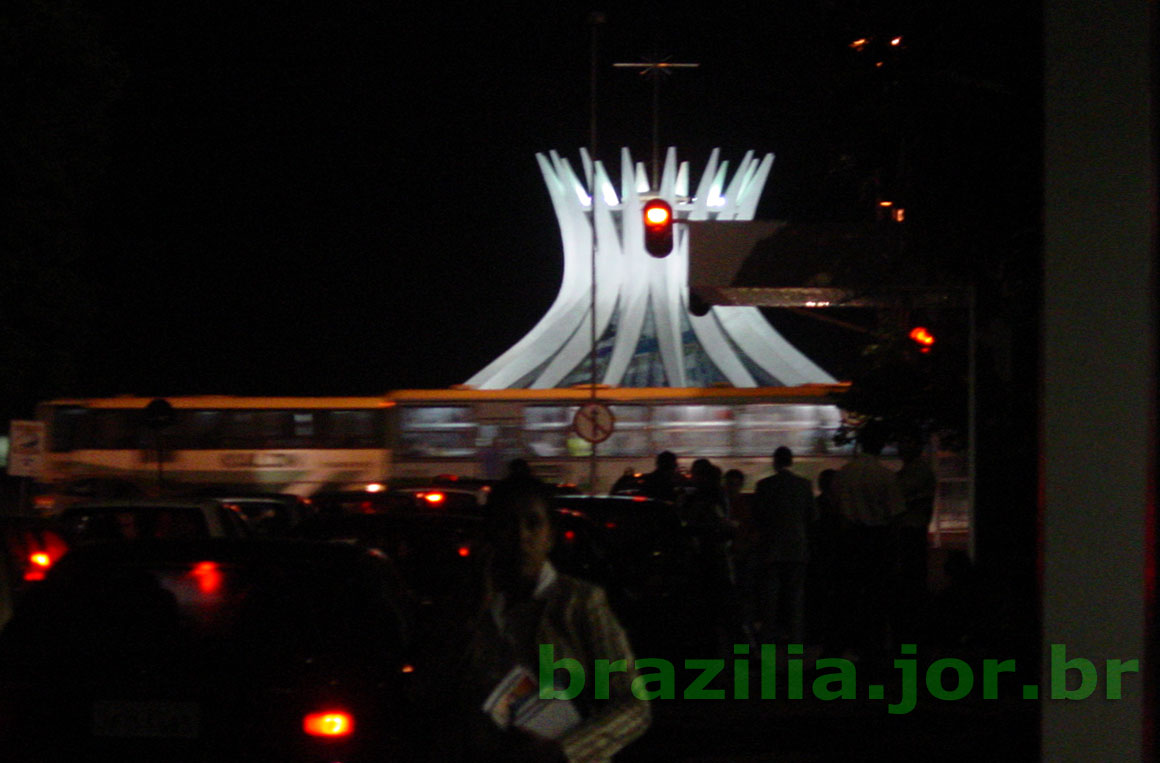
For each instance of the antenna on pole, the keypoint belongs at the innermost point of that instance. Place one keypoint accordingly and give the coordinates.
(654, 70)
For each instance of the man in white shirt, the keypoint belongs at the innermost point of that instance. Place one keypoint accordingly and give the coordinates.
(869, 499)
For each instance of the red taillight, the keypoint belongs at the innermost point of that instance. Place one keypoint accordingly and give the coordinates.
(433, 498)
(208, 577)
(331, 724)
(40, 551)
(921, 335)
(465, 551)
(569, 535)
(38, 564)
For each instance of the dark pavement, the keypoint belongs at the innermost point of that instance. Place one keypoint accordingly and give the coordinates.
(861, 729)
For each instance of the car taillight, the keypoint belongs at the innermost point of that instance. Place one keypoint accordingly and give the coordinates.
(465, 551)
(433, 498)
(37, 564)
(208, 577)
(40, 550)
(329, 723)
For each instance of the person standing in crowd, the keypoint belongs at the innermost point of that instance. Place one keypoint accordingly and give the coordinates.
(739, 513)
(736, 502)
(870, 501)
(783, 508)
(918, 483)
(665, 481)
(702, 512)
(827, 576)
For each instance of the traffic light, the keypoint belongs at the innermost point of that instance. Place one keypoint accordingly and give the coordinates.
(921, 336)
(658, 228)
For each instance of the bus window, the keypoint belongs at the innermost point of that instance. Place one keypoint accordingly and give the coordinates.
(630, 435)
(440, 431)
(350, 429)
(546, 429)
(65, 427)
(693, 430)
(257, 429)
(113, 429)
(196, 430)
(802, 428)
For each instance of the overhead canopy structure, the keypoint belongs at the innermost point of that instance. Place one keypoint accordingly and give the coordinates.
(810, 265)
(646, 335)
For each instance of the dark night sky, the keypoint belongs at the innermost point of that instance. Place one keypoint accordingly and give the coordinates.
(309, 198)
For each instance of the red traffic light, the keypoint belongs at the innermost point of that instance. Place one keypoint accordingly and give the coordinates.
(658, 228)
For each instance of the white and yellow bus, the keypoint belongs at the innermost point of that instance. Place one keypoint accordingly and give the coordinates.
(305, 444)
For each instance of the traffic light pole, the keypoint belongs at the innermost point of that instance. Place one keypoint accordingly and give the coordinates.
(594, 20)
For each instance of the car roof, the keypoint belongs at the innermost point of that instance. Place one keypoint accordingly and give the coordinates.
(143, 503)
(239, 492)
(179, 551)
(625, 502)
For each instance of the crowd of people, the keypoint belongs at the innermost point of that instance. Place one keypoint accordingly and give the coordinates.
(840, 568)
(843, 567)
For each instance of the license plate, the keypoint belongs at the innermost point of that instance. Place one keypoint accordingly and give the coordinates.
(146, 719)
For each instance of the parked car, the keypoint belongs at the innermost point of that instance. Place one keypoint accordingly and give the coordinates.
(152, 518)
(208, 650)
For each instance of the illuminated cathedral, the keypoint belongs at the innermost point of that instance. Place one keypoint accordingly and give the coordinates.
(646, 334)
